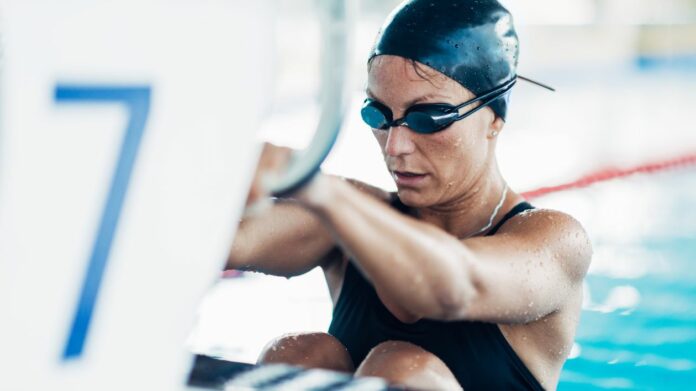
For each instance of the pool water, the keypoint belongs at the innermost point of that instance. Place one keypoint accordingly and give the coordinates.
(638, 326)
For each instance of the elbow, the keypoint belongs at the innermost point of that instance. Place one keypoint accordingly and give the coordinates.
(454, 298)
(454, 302)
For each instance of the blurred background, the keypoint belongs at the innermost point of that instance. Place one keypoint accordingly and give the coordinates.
(625, 74)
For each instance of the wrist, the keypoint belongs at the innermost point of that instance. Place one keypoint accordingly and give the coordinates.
(320, 193)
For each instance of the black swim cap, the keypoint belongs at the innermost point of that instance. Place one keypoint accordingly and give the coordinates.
(470, 41)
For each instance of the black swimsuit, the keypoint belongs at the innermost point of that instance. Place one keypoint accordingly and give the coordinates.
(477, 353)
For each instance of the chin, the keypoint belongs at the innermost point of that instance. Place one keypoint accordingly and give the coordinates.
(412, 198)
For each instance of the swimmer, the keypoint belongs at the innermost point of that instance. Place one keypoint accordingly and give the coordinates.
(454, 281)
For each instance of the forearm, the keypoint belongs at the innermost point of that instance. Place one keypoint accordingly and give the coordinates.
(285, 239)
(412, 263)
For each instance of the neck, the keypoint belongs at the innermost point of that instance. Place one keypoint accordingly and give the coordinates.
(469, 213)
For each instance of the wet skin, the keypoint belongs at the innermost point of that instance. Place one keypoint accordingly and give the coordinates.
(527, 278)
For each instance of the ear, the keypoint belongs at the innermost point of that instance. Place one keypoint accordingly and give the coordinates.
(495, 127)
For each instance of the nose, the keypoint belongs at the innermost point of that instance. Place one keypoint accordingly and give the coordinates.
(399, 141)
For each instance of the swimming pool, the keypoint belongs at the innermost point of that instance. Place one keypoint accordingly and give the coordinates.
(638, 325)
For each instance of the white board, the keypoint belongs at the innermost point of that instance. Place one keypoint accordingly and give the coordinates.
(184, 82)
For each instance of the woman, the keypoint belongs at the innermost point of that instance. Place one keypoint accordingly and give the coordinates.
(454, 281)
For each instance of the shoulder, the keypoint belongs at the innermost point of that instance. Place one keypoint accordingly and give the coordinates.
(553, 232)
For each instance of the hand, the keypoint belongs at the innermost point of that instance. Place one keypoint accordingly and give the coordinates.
(274, 159)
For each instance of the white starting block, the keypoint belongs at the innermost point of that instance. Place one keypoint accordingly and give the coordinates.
(127, 144)
(212, 373)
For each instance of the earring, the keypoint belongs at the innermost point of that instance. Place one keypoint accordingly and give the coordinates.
(495, 133)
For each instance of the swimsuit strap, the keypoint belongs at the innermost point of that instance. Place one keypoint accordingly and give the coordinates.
(519, 208)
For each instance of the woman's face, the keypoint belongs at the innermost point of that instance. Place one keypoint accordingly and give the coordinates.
(431, 169)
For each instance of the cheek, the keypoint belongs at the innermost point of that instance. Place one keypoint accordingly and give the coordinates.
(467, 138)
(446, 146)
(453, 153)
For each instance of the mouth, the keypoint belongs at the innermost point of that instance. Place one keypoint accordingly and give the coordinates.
(407, 178)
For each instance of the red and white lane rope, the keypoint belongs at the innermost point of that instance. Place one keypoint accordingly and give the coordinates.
(607, 174)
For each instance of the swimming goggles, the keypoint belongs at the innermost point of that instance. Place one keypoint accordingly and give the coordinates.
(429, 118)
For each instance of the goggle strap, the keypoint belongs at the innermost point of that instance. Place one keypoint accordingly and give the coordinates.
(468, 113)
(495, 92)
(493, 95)
(536, 83)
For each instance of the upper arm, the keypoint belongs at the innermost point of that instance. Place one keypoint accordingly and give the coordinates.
(528, 269)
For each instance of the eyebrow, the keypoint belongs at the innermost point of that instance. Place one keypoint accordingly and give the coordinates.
(409, 103)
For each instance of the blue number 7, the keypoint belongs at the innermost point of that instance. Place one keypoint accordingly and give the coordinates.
(137, 101)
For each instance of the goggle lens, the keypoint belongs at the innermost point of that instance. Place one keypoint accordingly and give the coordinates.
(374, 115)
(430, 119)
